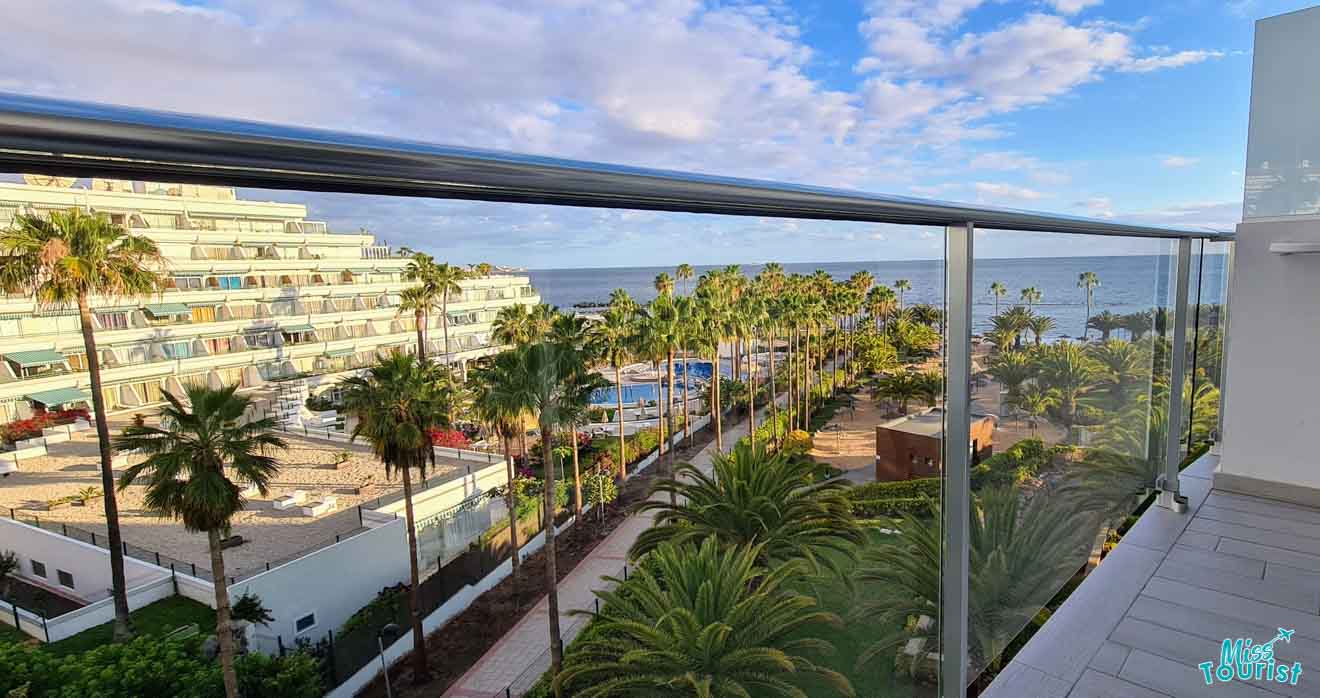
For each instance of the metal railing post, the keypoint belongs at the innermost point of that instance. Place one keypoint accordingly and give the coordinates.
(1168, 485)
(957, 444)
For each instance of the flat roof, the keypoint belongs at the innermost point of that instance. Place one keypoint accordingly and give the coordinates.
(929, 423)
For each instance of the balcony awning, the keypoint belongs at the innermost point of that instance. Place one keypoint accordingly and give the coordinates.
(336, 353)
(38, 357)
(167, 309)
(297, 328)
(59, 396)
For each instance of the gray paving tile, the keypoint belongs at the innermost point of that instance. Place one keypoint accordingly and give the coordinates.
(1019, 679)
(1291, 575)
(1269, 553)
(1191, 650)
(1270, 522)
(1158, 528)
(1233, 564)
(1203, 468)
(1236, 607)
(1110, 657)
(1300, 544)
(1193, 539)
(1181, 680)
(1276, 591)
(1214, 627)
(1095, 684)
(1260, 505)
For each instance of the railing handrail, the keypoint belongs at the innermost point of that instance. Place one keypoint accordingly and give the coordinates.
(63, 137)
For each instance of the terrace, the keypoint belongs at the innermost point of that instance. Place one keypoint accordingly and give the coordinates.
(1229, 547)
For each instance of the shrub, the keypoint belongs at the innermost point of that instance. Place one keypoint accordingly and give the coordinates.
(1020, 463)
(896, 506)
(149, 666)
(920, 487)
(798, 441)
(23, 429)
(449, 438)
(249, 608)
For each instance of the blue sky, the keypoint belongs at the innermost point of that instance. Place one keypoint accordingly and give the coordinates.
(1110, 108)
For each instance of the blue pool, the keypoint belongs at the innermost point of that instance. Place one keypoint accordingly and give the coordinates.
(645, 392)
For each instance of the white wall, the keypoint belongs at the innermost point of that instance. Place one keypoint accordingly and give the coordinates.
(333, 582)
(89, 565)
(1271, 411)
(437, 498)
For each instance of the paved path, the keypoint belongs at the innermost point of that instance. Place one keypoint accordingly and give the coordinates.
(523, 654)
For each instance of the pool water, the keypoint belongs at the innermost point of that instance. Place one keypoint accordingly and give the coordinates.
(645, 392)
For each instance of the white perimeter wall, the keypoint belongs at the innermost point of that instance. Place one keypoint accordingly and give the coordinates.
(436, 499)
(333, 582)
(1272, 400)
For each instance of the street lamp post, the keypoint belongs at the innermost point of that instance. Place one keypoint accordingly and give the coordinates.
(392, 631)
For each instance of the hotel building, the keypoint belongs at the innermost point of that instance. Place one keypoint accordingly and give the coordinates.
(255, 292)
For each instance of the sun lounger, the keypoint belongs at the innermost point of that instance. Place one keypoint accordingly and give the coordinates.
(293, 499)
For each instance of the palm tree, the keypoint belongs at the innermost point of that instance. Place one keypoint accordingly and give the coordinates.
(881, 303)
(1035, 403)
(557, 384)
(64, 259)
(754, 497)
(1066, 368)
(614, 338)
(397, 403)
(444, 279)
(420, 300)
(1040, 324)
(684, 273)
(495, 401)
(902, 285)
(1031, 295)
(1105, 322)
(186, 478)
(1135, 324)
(998, 290)
(1020, 553)
(572, 332)
(483, 269)
(704, 621)
(1016, 320)
(1088, 280)
(686, 309)
(1124, 367)
(1011, 369)
(901, 387)
(664, 284)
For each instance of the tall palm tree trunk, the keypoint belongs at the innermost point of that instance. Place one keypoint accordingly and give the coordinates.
(669, 421)
(419, 321)
(623, 442)
(774, 402)
(715, 402)
(421, 670)
(223, 634)
(806, 379)
(659, 416)
(123, 628)
(751, 391)
(577, 474)
(444, 327)
(687, 412)
(551, 571)
(511, 501)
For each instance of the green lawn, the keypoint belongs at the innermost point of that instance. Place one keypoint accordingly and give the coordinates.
(876, 679)
(157, 619)
(9, 634)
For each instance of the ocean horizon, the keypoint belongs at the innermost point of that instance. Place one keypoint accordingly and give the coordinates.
(1128, 283)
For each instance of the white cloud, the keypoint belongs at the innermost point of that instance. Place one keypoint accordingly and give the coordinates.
(1178, 161)
(1171, 60)
(1195, 215)
(1098, 206)
(997, 190)
(1072, 7)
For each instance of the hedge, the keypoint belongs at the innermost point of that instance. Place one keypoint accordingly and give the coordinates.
(149, 666)
(899, 489)
(896, 506)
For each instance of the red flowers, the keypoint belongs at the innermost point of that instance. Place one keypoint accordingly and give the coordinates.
(23, 429)
(449, 438)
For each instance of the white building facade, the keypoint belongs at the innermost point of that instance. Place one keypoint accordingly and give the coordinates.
(255, 292)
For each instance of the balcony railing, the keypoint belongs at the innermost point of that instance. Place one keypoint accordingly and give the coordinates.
(1082, 424)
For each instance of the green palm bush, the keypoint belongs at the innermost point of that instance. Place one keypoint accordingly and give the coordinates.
(703, 621)
(1019, 554)
(756, 498)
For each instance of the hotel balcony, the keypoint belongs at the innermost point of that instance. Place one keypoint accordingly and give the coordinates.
(1150, 493)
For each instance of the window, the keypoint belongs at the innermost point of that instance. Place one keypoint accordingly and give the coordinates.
(39, 568)
(113, 321)
(66, 579)
(304, 623)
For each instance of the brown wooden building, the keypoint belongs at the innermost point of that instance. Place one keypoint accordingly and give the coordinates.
(909, 447)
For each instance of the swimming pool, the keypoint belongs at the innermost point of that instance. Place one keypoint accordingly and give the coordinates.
(645, 392)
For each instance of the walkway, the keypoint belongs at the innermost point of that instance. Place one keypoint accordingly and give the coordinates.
(519, 659)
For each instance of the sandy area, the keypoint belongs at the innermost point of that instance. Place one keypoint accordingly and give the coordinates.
(848, 441)
(272, 535)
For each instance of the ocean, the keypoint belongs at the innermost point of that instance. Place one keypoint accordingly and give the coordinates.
(1127, 283)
